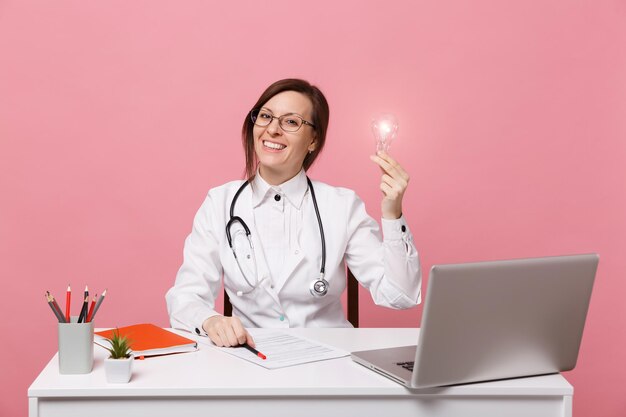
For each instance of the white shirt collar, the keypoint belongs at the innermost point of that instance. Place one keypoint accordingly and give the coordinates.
(293, 190)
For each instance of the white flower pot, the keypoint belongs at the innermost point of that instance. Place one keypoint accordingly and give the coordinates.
(118, 370)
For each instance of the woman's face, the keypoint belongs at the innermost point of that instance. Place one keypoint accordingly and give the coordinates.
(280, 153)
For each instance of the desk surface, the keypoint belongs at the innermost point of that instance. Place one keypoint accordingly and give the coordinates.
(211, 373)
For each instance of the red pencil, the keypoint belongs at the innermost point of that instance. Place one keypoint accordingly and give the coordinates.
(68, 299)
(93, 304)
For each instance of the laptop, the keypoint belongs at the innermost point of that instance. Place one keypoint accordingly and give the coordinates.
(494, 320)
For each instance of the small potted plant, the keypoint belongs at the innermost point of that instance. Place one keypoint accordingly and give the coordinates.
(118, 366)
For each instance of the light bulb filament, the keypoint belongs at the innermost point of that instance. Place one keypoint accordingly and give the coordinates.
(384, 128)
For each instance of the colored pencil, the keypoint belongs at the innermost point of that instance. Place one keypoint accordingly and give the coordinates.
(95, 310)
(93, 304)
(58, 315)
(57, 308)
(68, 303)
(83, 311)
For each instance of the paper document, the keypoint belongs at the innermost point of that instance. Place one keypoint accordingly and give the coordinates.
(283, 349)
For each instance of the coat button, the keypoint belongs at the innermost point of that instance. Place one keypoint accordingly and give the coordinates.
(403, 228)
(277, 197)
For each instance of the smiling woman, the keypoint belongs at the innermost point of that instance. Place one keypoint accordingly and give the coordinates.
(275, 270)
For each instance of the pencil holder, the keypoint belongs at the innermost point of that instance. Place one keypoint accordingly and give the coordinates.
(75, 347)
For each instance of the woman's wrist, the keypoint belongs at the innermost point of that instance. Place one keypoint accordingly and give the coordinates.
(393, 216)
(391, 213)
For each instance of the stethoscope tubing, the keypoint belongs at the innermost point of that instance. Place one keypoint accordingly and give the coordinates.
(319, 221)
(319, 287)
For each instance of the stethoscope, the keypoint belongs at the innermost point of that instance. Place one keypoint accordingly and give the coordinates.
(319, 286)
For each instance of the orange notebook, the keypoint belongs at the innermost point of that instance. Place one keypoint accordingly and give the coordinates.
(148, 340)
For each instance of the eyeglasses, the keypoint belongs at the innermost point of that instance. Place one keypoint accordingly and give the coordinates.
(287, 122)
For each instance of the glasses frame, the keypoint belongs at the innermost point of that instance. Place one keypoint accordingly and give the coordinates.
(254, 118)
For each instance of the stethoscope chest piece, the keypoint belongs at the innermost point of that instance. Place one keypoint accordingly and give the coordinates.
(319, 287)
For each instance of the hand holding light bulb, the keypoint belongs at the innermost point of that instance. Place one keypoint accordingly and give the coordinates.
(395, 179)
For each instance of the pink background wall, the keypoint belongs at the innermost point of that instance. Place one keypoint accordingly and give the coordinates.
(116, 117)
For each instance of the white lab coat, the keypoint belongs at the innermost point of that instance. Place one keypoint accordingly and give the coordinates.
(389, 269)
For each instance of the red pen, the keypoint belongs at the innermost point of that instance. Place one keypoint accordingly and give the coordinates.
(93, 304)
(68, 299)
(253, 350)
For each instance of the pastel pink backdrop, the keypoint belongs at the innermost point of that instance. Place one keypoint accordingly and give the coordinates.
(116, 117)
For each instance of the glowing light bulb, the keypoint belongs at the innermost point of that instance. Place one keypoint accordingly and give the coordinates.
(385, 128)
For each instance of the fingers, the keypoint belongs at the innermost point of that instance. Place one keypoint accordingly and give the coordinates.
(386, 189)
(226, 331)
(395, 179)
(239, 332)
(230, 338)
(250, 340)
(213, 328)
(393, 184)
(391, 190)
(390, 166)
(397, 184)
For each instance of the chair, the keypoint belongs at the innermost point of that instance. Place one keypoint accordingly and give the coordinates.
(353, 300)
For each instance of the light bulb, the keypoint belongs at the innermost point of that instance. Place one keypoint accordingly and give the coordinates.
(385, 128)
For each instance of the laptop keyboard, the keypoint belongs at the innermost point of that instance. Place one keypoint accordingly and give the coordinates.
(406, 365)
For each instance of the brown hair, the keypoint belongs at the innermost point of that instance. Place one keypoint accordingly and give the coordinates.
(319, 118)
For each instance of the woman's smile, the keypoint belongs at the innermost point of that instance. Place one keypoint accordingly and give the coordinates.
(273, 146)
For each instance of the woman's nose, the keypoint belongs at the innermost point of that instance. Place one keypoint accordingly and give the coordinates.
(274, 128)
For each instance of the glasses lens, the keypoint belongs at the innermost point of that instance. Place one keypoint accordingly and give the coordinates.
(261, 117)
(290, 123)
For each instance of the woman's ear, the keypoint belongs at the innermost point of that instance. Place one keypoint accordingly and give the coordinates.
(312, 146)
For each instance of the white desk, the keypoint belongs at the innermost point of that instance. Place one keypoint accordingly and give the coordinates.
(210, 382)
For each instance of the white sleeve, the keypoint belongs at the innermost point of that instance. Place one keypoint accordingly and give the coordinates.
(192, 298)
(389, 268)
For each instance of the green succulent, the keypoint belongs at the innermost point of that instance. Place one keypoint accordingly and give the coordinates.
(120, 346)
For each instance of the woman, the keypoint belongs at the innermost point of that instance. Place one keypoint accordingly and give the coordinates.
(289, 270)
